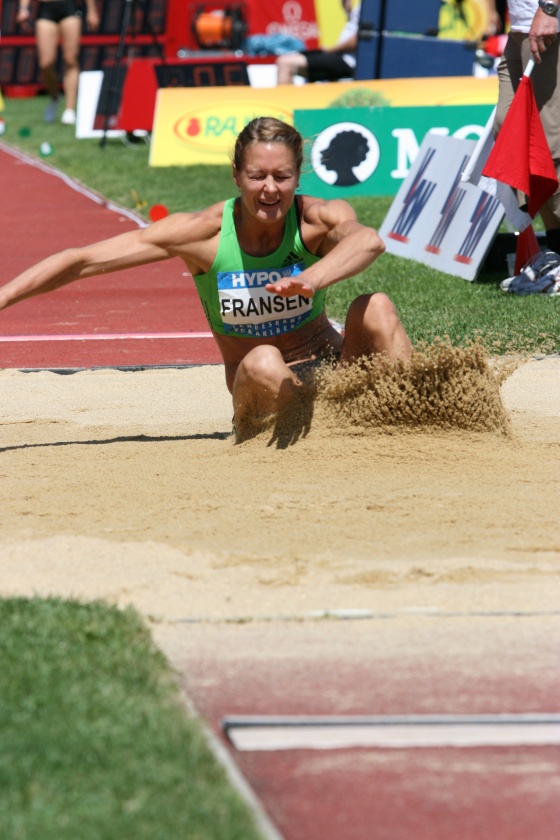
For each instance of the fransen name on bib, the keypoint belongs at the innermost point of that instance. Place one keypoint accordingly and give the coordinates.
(246, 308)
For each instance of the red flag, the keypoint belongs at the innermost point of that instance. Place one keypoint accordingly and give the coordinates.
(520, 156)
(527, 247)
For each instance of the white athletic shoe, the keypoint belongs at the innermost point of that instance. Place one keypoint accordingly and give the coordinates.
(68, 117)
(50, 111)
(540, 274)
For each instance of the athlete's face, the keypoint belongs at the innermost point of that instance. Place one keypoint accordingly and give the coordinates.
(268, 180)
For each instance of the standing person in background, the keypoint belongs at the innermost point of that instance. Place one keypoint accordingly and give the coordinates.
(59, 21)
(324, 65)
(534, 34)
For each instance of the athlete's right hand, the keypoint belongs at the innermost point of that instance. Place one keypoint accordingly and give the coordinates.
(291, 286)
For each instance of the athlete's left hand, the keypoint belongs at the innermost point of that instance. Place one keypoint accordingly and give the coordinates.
(291, 286)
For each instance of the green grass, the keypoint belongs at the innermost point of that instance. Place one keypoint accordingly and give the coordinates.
(117, 169)
(430, 303)
(94, 743)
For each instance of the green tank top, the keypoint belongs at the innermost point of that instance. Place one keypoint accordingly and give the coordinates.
(233, 294)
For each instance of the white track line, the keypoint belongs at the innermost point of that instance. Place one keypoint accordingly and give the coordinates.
(222, 755)
(103, 337)
(115, 208)
(260, 733)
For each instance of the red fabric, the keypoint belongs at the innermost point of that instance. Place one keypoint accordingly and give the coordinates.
(527, 247)
(520, 156)
(495, 45)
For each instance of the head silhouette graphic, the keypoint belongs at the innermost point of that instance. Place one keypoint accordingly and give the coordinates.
(345, 151)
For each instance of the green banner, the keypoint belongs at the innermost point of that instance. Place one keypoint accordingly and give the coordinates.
(369, 151)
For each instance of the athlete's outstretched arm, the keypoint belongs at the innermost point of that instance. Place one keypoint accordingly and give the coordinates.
(181, 234)
(123, 251)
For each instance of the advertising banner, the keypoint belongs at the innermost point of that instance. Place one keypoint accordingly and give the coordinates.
(199, 125)
(369, 151)
(296, 18)
(436, 218)
(466, 20)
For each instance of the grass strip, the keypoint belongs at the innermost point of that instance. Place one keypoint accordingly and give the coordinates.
(431, 304)
(94, 740)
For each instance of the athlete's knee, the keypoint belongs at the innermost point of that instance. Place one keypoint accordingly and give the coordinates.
(290, 64)
(375, 312)
(46, 64)
(260, 363)
(70, 60)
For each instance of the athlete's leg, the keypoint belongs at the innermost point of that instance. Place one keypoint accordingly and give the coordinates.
(290, 65)
(373, 326)
(46, 37)
(70, 32)
(263, 385)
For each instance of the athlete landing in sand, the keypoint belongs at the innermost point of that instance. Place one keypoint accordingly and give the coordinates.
(261, 263)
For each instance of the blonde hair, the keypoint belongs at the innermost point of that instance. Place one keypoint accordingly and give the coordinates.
(268, 130)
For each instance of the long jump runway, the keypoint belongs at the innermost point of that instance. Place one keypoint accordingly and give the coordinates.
(389, 727)
(148, 316)
(393, 724)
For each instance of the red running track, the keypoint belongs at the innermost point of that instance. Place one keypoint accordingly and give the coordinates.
(147, 316)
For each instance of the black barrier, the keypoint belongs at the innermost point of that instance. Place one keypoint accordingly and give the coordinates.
(18, 60)
(202, 74)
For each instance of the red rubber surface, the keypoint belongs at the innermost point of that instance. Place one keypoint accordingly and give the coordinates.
(41, 214)
(466, 666)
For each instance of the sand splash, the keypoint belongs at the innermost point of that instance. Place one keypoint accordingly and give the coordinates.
(440, 387)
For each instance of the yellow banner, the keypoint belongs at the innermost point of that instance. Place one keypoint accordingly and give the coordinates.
(199, 125)
(331, 19)
(464, 21)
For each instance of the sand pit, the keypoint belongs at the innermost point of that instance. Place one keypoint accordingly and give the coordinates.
(127, 486)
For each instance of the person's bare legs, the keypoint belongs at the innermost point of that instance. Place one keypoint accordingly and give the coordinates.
(290, 65)
(263, 385)
(46, 38)
(71, 33)
(373, 326)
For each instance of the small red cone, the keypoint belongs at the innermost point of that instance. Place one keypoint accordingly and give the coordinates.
(527, 247)
(157, 212)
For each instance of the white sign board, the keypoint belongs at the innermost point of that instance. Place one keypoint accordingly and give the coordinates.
(89, 89)
(436, 218)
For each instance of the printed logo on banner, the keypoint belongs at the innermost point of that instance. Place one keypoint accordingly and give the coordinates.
(415, 200)
(344, 154)
(450, 209)
(436, 218)
(292, 12)
(296, 22)
(246, 308)
(373, 154)
(480, 219)
(215, 128)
